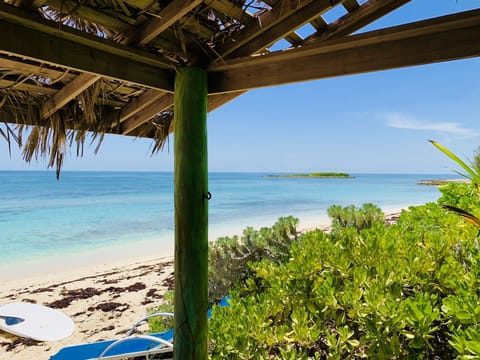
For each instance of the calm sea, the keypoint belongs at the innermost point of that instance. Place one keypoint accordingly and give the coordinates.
(42, 217)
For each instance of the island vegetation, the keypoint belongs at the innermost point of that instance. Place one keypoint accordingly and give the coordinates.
(438, 182)
(314, 175)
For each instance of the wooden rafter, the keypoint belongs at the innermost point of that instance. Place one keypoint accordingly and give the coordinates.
(159, 102)
(263, 23)
(319, 23)
(294, 20)
(350, 5)
(42, 26)
(350, 23)
(74, 50)
(231, 9)
(362, 16)
(168, 16)
(67, 93)
(440, 39)
(27, 68)
(166, 41)
(23, 86)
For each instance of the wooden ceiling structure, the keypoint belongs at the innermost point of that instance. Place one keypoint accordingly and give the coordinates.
(53, 51)
(69, 67)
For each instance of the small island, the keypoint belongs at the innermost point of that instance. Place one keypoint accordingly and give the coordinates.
(437, 182)
(314, 175)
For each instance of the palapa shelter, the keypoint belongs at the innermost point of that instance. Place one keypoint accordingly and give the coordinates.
(146, 68)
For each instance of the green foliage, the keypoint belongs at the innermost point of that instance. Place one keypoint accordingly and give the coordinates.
(161, 323)
(472, 171)
(353, 217)
(229, 256)
(476, 158)
(314, 175)
(473, 174)
(404, 291)
(329, 174)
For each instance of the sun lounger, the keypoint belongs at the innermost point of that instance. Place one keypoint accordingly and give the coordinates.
(129, 346)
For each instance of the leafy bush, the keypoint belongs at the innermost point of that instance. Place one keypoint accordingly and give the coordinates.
(161, 323)
(229, 256)
(408, 290)
(358, 218)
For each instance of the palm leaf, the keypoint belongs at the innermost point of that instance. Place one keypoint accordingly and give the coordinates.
(472, 219)
(474, 175)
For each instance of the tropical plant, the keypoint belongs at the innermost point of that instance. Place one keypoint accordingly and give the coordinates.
(358, 218)
(472, 174)
(162, 323)
(229, 256)
(472, 170)
(407, 291)
(476, 157)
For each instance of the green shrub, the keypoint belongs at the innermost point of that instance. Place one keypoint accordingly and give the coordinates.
(365, 290)
(161, 323)
(358, 218)
(406, 291)
(229, 256)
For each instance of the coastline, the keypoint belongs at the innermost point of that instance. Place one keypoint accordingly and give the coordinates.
(103, 291)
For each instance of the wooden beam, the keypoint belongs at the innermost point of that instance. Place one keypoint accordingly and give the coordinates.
(318, 23)
(231, 9)
(446, 38)
(37, 69)
(138, 104)
(75, 50)
(68, 92)
(294, 20)
(263, 23)
(294, 39)
(146, 106)
(215, 101)
(35, 22)
(166, 41)
(350, 5)
(161, 103)
(351, 22)
(191, 215)
(24, 86)
(175, 10)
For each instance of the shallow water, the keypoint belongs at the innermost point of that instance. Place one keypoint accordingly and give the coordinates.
(41, 217)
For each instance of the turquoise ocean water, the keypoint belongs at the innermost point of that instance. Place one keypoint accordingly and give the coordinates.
(42, 217)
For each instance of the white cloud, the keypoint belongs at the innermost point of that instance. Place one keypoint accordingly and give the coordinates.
(400, 121)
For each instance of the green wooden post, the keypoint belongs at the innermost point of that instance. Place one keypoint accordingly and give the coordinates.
(191, 214)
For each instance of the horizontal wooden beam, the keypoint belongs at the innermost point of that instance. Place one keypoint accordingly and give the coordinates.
(446, 38)
(28, 36)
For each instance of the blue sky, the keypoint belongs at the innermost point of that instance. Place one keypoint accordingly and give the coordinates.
(373, 123)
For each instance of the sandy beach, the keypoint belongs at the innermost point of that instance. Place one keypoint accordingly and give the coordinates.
(104, 295)
(103, 303)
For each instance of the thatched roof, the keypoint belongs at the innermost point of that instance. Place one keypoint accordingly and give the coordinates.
(107, 66)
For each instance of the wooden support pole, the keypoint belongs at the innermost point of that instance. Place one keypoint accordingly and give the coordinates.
(191, 214)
